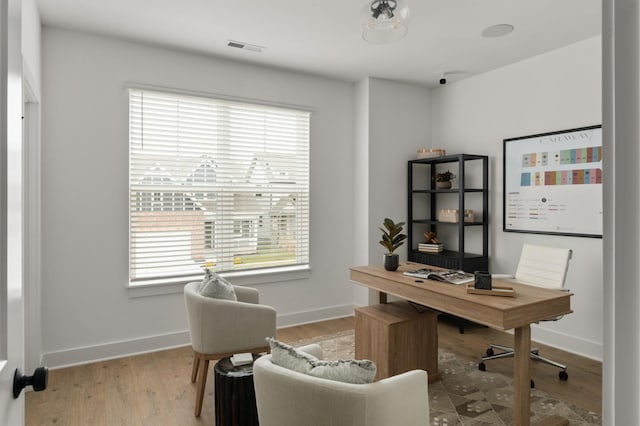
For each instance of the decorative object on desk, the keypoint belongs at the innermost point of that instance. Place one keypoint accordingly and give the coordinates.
(392, 238)
(443, 179)
(453, 215)
(430, 153)
(496, 290)
(482, 280)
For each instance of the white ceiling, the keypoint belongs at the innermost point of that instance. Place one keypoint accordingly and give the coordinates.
(323, 36)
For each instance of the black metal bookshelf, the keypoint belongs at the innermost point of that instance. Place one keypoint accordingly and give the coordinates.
(420, 220)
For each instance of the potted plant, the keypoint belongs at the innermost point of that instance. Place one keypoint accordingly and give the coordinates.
(443, 179)
(391, 240)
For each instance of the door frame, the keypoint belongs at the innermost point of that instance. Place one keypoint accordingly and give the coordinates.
(32, 221)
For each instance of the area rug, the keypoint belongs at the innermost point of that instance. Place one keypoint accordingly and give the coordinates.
(465, 395)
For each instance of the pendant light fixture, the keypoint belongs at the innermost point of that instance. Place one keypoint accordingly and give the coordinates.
(385, 21)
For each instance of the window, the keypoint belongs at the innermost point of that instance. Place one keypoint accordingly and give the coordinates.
(215, 182)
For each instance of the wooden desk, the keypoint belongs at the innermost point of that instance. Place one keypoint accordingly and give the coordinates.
(531, 304)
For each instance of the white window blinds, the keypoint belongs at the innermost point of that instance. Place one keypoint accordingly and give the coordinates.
(215, 182)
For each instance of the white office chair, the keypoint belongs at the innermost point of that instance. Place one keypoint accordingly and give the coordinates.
(541, 267)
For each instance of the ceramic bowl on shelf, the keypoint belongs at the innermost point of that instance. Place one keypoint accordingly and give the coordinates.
(430, 153)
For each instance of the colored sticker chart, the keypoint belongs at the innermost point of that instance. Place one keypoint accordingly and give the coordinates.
(562, 177)
(592, 154)
(553, 183)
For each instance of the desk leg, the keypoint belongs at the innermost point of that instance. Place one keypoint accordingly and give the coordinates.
(522, 376)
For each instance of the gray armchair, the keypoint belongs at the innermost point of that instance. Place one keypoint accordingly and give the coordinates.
(221, 328)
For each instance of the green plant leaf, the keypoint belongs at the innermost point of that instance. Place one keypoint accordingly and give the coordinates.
(391, 235)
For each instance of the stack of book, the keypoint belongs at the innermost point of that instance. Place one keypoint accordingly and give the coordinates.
(430, 248)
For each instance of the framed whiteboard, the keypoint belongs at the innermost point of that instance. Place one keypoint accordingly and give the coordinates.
(553, 183)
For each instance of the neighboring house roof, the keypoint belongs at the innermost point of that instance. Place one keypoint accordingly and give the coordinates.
(261, 171)
(265, 170)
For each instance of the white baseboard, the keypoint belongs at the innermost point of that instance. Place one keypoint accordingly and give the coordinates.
(103, 352)
(567, 342)
(112, 350)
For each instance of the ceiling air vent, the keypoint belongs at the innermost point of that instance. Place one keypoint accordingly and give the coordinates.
(244, 46)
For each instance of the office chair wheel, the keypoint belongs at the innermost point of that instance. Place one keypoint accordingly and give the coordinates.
(482, 366)
(490, 352)
(563, 375)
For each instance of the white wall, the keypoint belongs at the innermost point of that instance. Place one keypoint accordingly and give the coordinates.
(87, 312)
(360, 218)
(392, 122)
(554, 91)
(399, 124)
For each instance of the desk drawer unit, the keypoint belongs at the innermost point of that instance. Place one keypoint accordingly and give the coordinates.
(397, 338)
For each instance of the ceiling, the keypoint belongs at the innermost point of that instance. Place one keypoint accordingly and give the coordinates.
(323, 36)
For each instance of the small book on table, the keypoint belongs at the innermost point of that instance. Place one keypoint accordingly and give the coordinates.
(241, 359)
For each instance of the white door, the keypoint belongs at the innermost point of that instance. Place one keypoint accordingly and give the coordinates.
(11, 261)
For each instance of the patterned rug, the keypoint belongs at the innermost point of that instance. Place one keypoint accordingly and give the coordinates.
(465, 395)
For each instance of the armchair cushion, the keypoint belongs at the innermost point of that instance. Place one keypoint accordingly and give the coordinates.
(213, 285)
(346, 371)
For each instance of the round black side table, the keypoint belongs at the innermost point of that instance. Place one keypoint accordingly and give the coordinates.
(235, 396)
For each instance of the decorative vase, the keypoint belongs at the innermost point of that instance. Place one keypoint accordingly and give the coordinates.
(391, 261)
(443, 185)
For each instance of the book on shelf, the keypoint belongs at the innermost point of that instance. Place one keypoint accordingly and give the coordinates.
(430, 248)
(450, 276)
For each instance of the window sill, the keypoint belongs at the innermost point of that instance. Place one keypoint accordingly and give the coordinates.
(263, 276)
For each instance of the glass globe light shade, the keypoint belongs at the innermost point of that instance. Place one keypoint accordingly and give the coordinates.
(384, 21)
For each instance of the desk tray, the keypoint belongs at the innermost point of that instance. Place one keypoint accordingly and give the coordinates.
(497, 290)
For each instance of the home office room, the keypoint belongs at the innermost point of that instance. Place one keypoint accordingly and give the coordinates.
(257, 150)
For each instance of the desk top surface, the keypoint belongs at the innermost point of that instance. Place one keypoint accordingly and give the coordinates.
(531, 304)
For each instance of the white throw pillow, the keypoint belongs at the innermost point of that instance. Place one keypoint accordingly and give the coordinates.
(347, 371)
(213, 285)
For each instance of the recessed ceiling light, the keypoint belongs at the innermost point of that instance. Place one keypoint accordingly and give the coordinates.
(497, 30)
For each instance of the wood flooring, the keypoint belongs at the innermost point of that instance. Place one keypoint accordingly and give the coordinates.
(155, 388)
